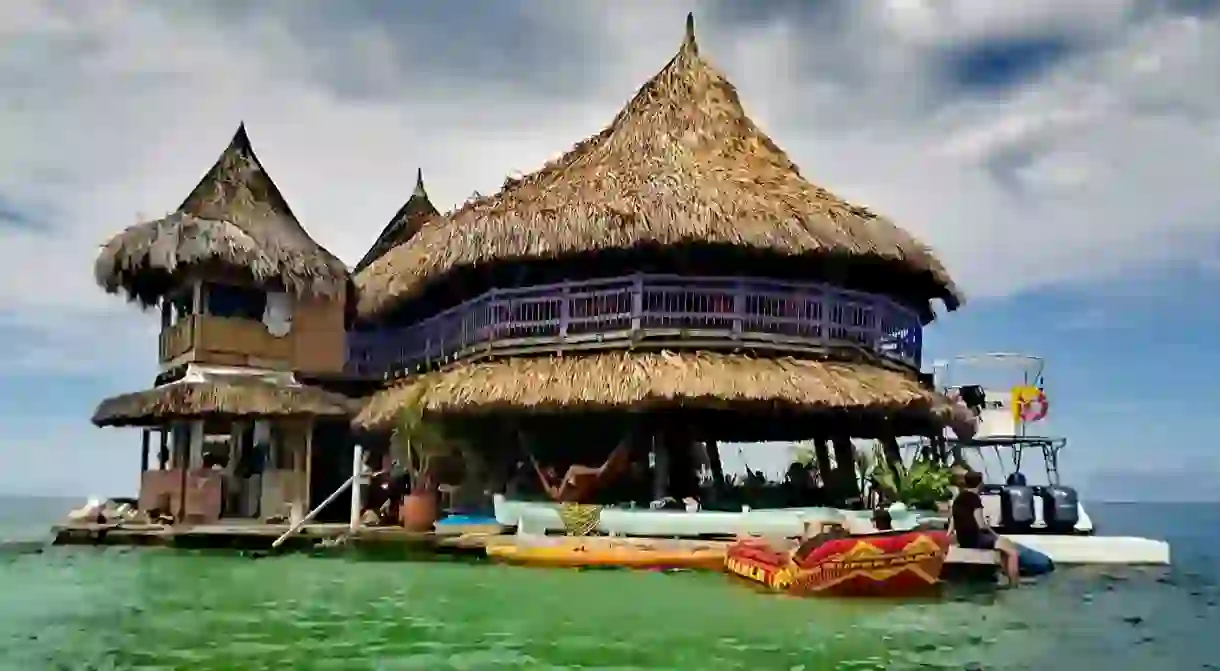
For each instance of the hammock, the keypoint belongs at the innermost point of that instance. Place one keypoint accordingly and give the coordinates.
(580, 481)
(580, 519)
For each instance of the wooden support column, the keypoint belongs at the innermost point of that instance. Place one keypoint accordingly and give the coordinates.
(145, 439)
(163, 451)
(306, 490)
(893, 454)
(713, 461)
(845, 468)
(821, 452)
(683, 479)
(660, 468)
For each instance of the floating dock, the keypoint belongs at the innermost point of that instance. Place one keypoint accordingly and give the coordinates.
(450, 540)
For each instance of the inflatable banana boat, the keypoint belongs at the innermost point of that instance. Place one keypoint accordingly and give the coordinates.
(888, 564)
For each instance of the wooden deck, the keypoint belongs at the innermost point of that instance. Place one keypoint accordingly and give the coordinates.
(257, 536)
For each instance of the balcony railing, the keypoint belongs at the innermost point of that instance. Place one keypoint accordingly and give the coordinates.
(661, 310)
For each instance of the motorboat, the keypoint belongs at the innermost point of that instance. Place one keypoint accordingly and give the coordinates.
(1007, 392)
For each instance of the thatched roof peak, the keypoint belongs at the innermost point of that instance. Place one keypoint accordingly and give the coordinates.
(234, 220)
(405, 223)
(419, 191)
(681, 164)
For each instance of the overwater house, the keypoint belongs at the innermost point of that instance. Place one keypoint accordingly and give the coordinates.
(672, 281)
(252, 322)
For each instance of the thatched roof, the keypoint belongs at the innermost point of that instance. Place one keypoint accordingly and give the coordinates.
(237, 397)
(234, 220)
(681, 164)
(655, 380)
(404, 225)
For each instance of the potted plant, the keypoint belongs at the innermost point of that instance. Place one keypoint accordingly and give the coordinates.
(419, 445)
(923, 486)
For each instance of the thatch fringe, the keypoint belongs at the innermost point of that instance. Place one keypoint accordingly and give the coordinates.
(228, 398)
(235, 218)
(655, 380)
(680, 164)
(405, 223)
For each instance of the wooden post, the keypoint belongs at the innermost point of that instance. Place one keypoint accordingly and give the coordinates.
(163, 451)
(353, 524)
(821, 452)
(184, 459)
(307, 485)
(845, 467)
(145, 439)
(713, 461)
(893, 454)
(660, 473)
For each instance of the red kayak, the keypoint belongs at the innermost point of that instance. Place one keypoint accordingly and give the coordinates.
(889, 564)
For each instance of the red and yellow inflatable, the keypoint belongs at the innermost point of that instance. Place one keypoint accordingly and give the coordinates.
(892, 564)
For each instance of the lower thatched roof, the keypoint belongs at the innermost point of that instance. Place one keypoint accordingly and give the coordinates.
(220, 398)
(658, 380)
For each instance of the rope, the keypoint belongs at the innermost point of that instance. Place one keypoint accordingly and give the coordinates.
(580, 519)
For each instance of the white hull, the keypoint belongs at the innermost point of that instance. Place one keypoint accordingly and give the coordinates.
(532, 517)
(1113, 550)
(539, 517)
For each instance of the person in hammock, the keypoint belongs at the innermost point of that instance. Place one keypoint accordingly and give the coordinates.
(580, 482)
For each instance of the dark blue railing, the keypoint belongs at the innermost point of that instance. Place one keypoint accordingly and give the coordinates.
(758, 313)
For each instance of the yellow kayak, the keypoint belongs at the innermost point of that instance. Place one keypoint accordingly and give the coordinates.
(632, 553)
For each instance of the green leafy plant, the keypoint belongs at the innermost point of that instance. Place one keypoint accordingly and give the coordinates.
(922, 486)
(418, 442)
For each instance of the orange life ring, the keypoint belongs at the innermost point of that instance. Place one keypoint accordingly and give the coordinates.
(1029, 404)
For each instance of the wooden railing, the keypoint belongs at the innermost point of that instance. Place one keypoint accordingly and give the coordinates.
(660, 310)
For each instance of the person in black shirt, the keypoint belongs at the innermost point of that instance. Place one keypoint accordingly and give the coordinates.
(968, 525)
(882, 520)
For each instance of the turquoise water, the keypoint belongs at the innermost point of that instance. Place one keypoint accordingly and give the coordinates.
(154, 609)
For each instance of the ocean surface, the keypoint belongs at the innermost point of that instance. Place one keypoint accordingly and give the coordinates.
(119, 608)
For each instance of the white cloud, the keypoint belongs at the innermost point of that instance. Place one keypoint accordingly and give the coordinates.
(113, 111)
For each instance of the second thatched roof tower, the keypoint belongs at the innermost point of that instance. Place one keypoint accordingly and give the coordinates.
(234, 221)
(403, 226)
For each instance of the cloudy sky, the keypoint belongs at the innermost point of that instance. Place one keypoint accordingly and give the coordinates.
(1060, 155)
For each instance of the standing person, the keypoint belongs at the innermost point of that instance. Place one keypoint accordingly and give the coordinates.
(968, 525)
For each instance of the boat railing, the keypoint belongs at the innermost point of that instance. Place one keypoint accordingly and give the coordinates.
(663, 310)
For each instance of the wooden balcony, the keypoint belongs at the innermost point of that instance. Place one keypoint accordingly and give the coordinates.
(177, 340)
(646, 310)
(225, 341)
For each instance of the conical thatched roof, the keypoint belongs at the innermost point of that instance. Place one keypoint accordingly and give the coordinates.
(234, 220)
(664, 381)
(681, 164)
(404, 225)
(220, 398)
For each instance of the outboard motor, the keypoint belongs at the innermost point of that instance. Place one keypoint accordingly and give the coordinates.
(1016, 479)
(1016, 508)
(1060, 509)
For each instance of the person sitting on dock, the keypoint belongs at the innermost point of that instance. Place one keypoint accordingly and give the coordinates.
(580, 482)
(968, 525)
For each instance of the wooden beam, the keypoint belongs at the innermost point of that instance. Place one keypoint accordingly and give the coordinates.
(145, 439)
